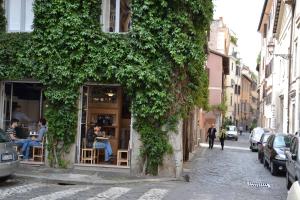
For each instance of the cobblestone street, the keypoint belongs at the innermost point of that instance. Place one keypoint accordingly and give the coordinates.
(218, 174)
(214, 174)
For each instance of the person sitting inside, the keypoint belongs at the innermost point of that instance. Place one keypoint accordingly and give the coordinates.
(19, 115)
(93, 142)
(11, 131)
(38, 141)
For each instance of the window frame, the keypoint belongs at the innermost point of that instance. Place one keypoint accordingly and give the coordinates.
(23, 15)
(105, 17)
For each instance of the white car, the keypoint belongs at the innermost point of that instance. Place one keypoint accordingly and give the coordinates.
(231, 132)
(294, 192)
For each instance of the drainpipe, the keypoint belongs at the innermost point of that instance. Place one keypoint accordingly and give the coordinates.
(292, 3)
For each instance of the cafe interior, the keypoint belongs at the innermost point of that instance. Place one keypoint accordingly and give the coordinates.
(24, 101)
(106, 105)
(109, 107)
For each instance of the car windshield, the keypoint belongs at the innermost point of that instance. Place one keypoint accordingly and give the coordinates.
(257, 134)
(231, 128)
(281, 141)
(266, 138)
(3, 137)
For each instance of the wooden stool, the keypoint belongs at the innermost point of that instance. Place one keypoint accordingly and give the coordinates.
(120, 157)
(38, 152)
(88, 154)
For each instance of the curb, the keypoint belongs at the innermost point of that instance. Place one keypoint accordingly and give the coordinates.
(94, 182)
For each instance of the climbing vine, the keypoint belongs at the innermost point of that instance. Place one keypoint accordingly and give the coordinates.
(160, 63)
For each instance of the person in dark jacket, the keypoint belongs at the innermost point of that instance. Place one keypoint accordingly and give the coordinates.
(211, 135)
(222, 136)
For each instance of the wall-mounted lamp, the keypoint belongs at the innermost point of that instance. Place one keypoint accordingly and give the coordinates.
(271, 47)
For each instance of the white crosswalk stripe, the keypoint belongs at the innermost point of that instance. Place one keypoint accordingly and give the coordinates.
(19, 189)
(111, 194)
(62, 194)
(154, 194)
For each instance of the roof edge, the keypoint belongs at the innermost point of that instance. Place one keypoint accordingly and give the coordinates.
(262, 14)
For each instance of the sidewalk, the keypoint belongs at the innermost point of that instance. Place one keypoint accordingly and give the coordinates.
(86, 176)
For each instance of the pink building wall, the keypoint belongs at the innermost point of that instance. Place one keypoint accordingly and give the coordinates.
(215, 68)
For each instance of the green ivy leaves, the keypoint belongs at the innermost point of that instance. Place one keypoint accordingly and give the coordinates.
(160, 63)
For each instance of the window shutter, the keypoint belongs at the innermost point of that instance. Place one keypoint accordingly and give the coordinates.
(265, 30)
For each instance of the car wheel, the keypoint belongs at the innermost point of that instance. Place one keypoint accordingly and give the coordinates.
(5, 178)
(288, 182)
(236, 139)
(273, 169)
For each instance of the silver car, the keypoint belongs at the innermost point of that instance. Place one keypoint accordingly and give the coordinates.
(8, 157)
(254, 138)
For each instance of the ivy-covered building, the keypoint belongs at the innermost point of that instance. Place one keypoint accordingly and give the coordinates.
(135, 67)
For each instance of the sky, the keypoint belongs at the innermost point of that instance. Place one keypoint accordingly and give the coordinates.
(242, 17)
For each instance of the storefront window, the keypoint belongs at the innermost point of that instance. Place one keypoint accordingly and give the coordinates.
(23, 101)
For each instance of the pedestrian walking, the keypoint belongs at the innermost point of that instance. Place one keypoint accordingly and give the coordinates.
(211, 135)
(241, 130)
(222, 136)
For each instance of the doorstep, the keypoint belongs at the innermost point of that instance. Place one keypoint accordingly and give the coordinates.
(32, 163)
(102, 168)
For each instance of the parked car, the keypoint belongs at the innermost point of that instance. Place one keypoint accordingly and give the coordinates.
(8, 157)
(274, 152)
(231, 132)
(261, 145)
(293, 161)
(254, 138)
(294, 192)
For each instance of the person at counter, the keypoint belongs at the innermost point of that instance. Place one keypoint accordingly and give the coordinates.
(11, 131)
(36, 141)
(94, 135)
(19, 115)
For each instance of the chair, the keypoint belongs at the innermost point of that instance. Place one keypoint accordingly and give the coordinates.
(123, 156)
(38, 151)
(87, 154)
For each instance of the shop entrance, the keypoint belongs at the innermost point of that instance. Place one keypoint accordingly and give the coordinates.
(108, 108)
